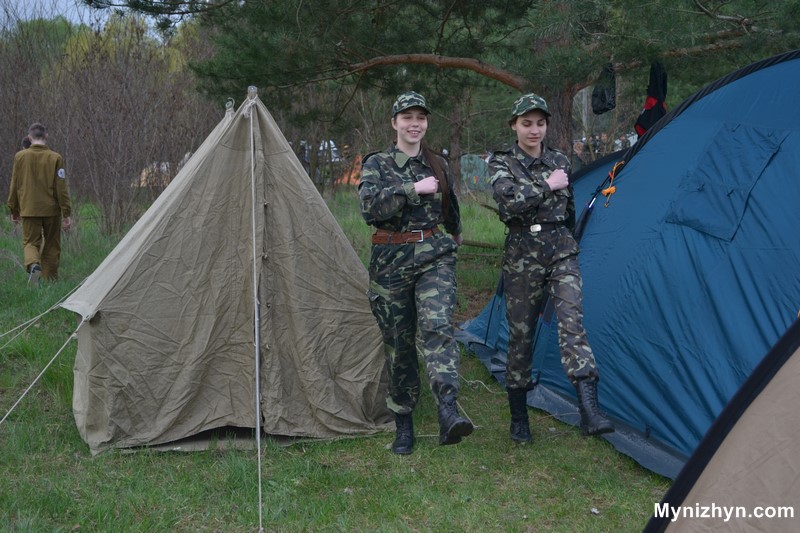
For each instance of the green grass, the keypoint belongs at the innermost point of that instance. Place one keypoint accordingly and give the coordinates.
(51, 482)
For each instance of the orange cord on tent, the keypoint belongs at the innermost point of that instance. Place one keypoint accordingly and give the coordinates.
(611, 189)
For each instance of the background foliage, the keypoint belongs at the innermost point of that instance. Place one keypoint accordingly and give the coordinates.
(457, 49)
(129, 88)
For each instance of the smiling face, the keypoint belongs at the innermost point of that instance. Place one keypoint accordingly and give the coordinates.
(531, 129)
(410, 125)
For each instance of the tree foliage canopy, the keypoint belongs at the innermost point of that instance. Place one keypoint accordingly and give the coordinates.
(552, 47)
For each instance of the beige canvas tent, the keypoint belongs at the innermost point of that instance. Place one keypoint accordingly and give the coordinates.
(743, 476)
(172, 317)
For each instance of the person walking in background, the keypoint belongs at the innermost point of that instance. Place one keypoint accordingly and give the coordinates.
(579, 155)
(406, 193)
(530, 183)
(605, 144)
(622, 143)
(39, 197)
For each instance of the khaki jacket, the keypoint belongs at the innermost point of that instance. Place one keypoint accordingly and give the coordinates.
(39, 184)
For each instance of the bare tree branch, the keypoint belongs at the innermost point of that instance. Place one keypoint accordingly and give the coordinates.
(490, 71)
(745, 23)
(684, 52)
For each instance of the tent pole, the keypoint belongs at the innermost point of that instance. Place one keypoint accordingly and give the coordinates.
(252, 93)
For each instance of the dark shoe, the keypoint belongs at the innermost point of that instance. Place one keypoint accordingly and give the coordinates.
(518, 403)
(404, 440)
(593, 421)
(452, 426)
(33, 275)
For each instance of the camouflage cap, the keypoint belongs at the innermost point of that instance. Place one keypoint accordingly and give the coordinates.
(407, 100)
(528, 102)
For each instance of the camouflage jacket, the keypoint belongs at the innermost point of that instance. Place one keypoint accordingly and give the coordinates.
(388, 198)
(520, 190)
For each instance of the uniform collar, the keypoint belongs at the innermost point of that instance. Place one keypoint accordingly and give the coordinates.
(402, 158)
(527, 160)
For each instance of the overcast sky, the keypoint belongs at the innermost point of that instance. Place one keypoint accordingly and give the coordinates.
(13, 10)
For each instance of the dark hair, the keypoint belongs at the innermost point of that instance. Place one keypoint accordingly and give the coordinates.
(433, 161)
(26, 142)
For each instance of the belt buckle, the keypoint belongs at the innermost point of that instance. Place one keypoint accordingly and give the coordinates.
(536, 228)
(421, 234)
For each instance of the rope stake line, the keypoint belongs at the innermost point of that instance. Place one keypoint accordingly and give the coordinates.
(24, 327)
(28, 323)
(48, 365)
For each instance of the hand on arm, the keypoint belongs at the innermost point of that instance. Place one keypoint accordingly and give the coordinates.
(382, 197)
(557, 180)
(427, 185)
(66, 224)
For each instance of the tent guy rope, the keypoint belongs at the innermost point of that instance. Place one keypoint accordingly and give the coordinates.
(72, 336)
(23, 327)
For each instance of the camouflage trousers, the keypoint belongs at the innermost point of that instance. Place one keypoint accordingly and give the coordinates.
(413, 294)
(533, 264)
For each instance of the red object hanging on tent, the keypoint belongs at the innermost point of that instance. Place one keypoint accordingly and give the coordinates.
(655, 105)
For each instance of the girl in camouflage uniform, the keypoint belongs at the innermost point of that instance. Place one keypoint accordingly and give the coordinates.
(405, 193)
(531, 186)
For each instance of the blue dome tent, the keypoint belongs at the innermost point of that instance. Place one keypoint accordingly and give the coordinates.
(692, 272)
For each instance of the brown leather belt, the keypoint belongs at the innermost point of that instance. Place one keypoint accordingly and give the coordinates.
(382, 236)
(535, 228)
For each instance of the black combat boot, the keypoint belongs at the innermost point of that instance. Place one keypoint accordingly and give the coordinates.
(404, 438)
(593, 421)
(452, 426)
(518, 403)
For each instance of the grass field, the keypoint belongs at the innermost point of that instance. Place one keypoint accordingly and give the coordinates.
(50, 482)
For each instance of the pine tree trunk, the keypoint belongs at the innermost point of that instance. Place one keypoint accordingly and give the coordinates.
(559, 132)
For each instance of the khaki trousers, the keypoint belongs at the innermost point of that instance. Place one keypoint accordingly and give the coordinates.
(41, 243)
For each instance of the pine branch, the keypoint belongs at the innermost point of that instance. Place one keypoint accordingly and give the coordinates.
(163, 8)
